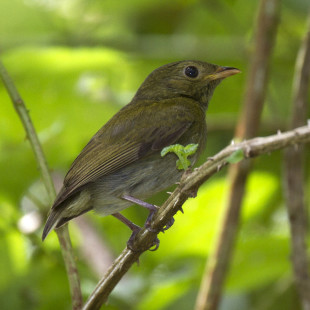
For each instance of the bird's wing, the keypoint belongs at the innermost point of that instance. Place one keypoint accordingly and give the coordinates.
(126, 138)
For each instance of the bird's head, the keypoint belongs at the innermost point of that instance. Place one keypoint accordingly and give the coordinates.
(192, 79)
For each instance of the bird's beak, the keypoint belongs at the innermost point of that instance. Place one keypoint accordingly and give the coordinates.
(222, 73)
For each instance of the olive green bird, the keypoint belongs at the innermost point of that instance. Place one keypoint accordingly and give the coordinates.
(122, 165)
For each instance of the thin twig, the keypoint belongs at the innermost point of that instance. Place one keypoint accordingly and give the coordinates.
(294, 175)
(188, 187)
(218, 262)
(62, 233)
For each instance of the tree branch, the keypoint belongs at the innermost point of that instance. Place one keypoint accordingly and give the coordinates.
(62, 233)
(217, 264)
(294, 175)
(188, 187)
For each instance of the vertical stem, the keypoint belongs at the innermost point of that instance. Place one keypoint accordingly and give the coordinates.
(217, 266)
(294, 175)
(23, 114)
(71, 268)
(62, 233)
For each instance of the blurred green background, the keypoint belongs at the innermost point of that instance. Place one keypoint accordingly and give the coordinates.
(76, 63)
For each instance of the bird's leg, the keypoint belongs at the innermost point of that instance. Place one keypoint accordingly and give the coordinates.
(134, 228)
(152, 208)
(149, 206)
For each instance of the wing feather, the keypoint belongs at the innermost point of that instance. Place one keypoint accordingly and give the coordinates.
(119, 143)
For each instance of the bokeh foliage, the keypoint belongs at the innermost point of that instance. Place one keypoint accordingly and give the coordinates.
(75, 63)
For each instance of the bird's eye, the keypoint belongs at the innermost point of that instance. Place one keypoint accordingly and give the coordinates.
(191, 71)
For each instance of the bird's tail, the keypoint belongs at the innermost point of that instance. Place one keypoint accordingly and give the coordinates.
(56, 219)
(63, 213)
(53, 221)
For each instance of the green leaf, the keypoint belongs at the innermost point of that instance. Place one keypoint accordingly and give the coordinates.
(182, 152)
(235, 157)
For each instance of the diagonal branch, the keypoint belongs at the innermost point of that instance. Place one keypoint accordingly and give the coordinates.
(188, 187)
(294, 175)
(62, 233)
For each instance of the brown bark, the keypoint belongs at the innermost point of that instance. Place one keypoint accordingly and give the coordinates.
(294, 175)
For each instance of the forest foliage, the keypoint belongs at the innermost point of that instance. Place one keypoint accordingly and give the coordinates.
(76, 63)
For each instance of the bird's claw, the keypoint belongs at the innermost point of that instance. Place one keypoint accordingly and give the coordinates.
(168, 225)
(155, 244)
(131, 240)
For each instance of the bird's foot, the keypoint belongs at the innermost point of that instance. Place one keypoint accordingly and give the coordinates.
(169, 224)
(155, 244)
(131, 240)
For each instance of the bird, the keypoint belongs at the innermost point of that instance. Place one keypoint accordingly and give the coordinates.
(122, 164)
